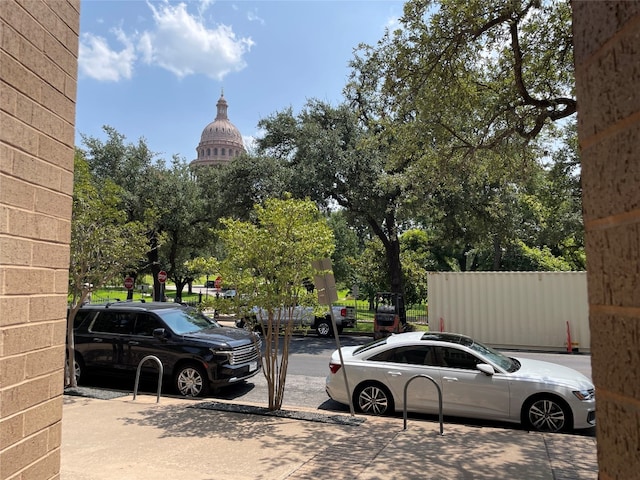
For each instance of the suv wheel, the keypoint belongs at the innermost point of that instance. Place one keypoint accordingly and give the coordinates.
(191, 381)
(77, 369)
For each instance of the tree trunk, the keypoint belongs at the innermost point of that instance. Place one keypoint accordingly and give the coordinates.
(497, 254)
(395, 266)
(391, 242)
(155, 268)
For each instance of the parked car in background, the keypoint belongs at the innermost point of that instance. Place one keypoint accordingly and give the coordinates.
(476, 381)
(302, 317)
(196, 352)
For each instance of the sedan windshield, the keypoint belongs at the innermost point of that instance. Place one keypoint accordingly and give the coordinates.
(504, 362)
(187, 321)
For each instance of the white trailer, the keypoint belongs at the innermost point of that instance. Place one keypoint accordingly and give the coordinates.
(533, 310)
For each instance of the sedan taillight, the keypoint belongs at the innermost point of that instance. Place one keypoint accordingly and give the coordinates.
(334, 367)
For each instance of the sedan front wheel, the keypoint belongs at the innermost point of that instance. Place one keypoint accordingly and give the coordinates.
(547, 414)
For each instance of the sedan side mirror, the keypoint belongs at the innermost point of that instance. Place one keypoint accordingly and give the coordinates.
(486, 368)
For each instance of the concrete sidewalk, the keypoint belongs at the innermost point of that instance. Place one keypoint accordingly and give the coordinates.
(177, 438)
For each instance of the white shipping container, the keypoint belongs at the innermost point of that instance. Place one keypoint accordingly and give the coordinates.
(535, 310)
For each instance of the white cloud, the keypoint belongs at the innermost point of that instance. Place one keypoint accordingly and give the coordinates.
(393, 23)
(182, 44)
(178, 42)
(252, 16)
(97, 60)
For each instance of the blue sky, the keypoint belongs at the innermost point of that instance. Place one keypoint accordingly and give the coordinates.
(155, 69)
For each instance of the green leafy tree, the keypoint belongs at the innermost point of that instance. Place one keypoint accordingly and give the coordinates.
(458, 97)
(180, 218)
(129, 166)
(268, 260)
(337, 162)
(232, 190)
(488, 72)
(347, 246)
(370, 270)
(416, 257)
(104, 244)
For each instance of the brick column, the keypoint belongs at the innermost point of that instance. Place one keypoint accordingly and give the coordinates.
(38, 76)
(607, 58)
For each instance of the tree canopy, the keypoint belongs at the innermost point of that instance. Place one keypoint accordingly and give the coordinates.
(268, 261)
(105, 245)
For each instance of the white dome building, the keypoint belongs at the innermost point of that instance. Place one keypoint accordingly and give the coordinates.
(221, 141)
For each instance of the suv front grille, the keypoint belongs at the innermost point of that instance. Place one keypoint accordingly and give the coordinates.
(245, 353)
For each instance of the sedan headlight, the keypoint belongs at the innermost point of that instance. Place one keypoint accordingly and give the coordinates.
(585, 395)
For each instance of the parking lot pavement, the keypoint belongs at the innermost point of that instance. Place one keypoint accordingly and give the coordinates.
(177, 438)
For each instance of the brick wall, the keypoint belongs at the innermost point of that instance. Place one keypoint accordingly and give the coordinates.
(38, 76)
(607, 57)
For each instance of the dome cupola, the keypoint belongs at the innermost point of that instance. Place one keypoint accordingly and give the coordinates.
(220, 141)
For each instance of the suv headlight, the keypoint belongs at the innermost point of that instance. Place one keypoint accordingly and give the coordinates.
(584, 395)
(218, 352)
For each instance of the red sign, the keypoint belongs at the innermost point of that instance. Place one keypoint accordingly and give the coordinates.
(162, 276)
(128, 283)
(218, 282)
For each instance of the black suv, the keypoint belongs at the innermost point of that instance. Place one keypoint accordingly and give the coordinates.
(195, 351)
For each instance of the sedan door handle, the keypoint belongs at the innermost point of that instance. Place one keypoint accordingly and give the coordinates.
(450, 379)
(133, 342)
(395, 374)
(97, 340)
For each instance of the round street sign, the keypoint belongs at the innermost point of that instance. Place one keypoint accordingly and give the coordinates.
(128, 283)
(162, 276)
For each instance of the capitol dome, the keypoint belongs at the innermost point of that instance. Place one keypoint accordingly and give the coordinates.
(220, 141)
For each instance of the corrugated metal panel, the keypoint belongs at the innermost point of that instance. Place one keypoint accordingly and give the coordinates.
(512, 309)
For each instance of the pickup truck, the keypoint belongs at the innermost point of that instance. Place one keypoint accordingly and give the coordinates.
(304, 317)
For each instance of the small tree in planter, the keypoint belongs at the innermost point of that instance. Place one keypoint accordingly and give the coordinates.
(104, 245)
(268, 261)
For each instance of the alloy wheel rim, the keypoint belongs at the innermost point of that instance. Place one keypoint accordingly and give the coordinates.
(546, 416)
(373, 400)
(190, 382)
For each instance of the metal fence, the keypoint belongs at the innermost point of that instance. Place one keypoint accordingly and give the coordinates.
(417, 314)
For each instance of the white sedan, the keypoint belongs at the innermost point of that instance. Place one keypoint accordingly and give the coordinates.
(476, 381)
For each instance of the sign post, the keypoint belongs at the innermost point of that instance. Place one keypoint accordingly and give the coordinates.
(327, 294)
(162, 277)
(128, 284)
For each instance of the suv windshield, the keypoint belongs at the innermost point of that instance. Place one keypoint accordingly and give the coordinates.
(186, 321)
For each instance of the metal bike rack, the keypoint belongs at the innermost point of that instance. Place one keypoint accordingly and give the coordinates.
(439, 399)
(160, 373)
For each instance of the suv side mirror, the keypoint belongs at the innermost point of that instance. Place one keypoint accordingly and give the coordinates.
(159, 333)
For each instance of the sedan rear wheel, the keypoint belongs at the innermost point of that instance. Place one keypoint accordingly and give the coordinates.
(191, 381)
(374, 399)
(547, 414)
